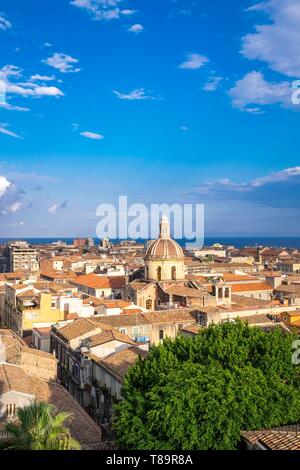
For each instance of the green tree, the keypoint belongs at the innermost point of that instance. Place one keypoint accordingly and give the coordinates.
(40, 427)
(194, 394)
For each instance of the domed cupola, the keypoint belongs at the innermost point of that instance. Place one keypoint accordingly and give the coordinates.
(164, 257)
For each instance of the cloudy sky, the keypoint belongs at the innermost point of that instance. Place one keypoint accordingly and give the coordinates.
(191, 101)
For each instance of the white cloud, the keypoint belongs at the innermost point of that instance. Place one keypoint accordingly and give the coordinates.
(127, 12)
(62, 62)
(100, 9)
(48, 91)
(15, 207)
(225, 184)
(4, 23)
(278, 42)
(25, 88)
(52, 209)
(136, 28)
(11, 71)
(5, 131)
(212, 84)
(256, 7)
(194, 61)
(42, 78)
(277, 177)
(253, 90)
(184, 128)
(138, 94)
(92, 135)
(11, 107)
(4, 185)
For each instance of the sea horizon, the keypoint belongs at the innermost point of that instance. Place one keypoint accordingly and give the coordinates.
(238, 242)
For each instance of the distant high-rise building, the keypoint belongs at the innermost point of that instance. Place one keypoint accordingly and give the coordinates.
(19, 256)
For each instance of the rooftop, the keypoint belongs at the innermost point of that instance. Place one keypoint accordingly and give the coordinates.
(119, 363)
(82, 427)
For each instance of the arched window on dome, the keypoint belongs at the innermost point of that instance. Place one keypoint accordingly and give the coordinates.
(173, 273)
(159, 273)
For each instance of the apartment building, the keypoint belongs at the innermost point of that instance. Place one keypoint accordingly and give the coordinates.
(19, 256)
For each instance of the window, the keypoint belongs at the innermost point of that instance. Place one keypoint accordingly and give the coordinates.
(149, 304)
(159, 274)
(11, 410)
(161, 335)
(220, 292)
(123, 331)
(227, 292)
(173, 273)
(136, 332)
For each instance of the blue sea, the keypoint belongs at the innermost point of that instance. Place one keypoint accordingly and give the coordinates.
(238, 242)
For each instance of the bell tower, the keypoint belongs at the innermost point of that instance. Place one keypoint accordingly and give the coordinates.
(164, 228)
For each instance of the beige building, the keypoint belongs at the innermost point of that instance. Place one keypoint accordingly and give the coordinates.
(289, 266)
(21, 257)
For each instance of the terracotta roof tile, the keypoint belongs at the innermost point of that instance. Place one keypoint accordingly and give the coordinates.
(119, 363)
(82, 427)
(251, 287)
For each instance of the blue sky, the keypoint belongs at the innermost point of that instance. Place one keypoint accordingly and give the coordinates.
(162, 101)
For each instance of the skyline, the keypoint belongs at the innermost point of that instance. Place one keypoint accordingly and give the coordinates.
(167, 104)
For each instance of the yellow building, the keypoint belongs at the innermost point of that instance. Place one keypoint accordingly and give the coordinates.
(290, 317)
(24, 308)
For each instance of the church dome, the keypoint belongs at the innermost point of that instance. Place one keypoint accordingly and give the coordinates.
(164, 247)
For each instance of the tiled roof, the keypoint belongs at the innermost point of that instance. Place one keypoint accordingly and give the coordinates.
(230, 277)
(107, 336)
(82, 427)
(251, 287)
(131, 311)
(28, 293)
(169, 316)
(194, 329)
(243, 301)
(139, 284)
(256, 319)
(119, 363)
(78, 328)
(184, 291)
(117, 321)
(289, 289)
(19, 286)
(116, 303)
(273, 440)
(95, 281)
